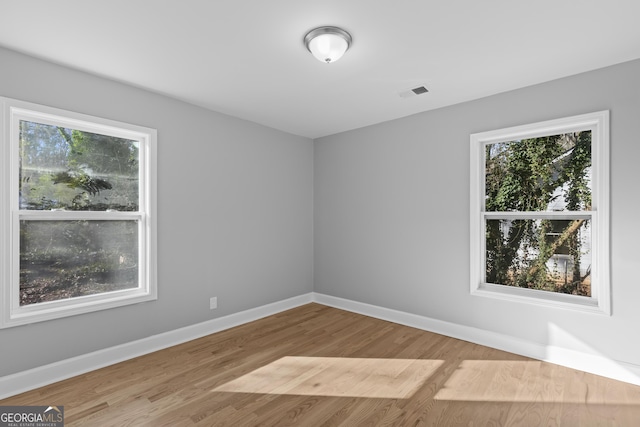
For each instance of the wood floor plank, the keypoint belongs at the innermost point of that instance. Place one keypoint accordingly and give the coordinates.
(320, 366)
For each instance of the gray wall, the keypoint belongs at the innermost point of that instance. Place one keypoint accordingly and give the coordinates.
(392, 213)
(235, 218)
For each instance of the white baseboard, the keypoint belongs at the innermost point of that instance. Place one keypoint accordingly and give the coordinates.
(588, 362)
(20, 382)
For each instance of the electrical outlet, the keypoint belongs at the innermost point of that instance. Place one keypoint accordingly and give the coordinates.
(213, 303)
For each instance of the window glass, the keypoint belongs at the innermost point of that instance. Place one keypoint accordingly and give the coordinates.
(62, 168)
(551, 173)
(542, 254)
(67, 259)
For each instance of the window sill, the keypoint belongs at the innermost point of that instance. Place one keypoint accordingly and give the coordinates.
(542, 298)
(71, 307)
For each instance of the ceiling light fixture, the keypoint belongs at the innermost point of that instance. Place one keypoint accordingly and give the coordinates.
(327, 44)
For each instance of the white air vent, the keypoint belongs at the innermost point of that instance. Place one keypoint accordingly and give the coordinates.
(415, 91)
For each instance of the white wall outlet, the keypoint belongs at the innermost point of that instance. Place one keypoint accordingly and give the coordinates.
(213, 303)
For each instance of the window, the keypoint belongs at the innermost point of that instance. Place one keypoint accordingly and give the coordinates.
(77, 213)
(539, 213)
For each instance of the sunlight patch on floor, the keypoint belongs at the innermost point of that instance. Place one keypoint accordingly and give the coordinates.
(517, 381)
(498, 380)
(337, 376)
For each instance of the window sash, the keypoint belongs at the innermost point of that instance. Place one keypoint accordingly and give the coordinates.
(538, 215)
(591, 216)
(81, 123)
(18, 310)
(82, 304)
(77, 215)
(58, 216)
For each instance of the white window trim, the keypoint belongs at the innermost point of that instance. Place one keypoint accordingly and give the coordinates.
(600, 300)
(11, 314)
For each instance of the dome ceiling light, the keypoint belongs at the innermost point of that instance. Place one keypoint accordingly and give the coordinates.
(327, 44)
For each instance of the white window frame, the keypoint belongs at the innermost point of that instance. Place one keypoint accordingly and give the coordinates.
(11, 313)
(600, 299)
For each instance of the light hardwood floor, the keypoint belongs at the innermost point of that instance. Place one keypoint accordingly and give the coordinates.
(320, 366)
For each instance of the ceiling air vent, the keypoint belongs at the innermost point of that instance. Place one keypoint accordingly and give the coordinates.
(408, 93)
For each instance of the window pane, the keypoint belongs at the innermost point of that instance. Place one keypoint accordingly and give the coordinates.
(551, 173)
(549, 255)
(67, 259)
(63, 168)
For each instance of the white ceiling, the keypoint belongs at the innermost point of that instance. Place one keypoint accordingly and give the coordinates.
(246, 58)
